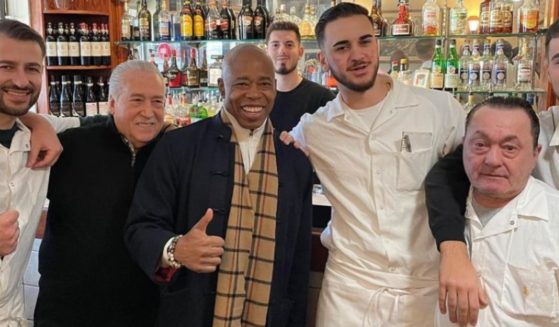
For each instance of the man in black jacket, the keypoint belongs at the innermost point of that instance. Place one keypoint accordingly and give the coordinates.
(87, 275)
(222, 213)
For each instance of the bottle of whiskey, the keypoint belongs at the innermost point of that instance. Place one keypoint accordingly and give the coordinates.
(528, 15)
(144, 22)
(203, 72)
(307, 28)
(174, 75)
(378, 21)
(402, 25)
(192, 72)
(431, 18)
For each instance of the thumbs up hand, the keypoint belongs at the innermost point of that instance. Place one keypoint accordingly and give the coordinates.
(9, 232)
(198, 251)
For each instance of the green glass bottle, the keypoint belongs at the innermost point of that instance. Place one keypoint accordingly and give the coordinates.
(452, 75)
(438, 67)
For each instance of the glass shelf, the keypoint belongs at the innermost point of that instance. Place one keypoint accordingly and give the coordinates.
(495, 35)
(189, 89)
(194, 43)
(506, 91)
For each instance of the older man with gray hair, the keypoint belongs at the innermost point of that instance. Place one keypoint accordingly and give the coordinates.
(87, 276)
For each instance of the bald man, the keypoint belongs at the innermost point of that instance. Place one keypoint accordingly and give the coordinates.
(210, 221)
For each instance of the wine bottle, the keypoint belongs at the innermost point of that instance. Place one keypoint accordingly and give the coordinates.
(52, 57)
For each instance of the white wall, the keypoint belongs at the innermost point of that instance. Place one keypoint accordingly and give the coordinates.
(19, 9)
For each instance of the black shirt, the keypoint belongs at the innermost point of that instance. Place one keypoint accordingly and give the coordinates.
(7, 135)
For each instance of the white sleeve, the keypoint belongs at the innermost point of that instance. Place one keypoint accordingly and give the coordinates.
(456, 125)
(61, 124)
(298, 132)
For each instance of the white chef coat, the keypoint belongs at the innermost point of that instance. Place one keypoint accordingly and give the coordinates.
(547, 168)
(517, 257)
(24, 190)
(379, 238)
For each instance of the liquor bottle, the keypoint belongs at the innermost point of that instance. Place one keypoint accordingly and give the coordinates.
(144, 22)
(524, 67)
(96, 51)
(187, 23)
(463, 66)
(78, 103)
(212, 25)
(293, 16)
(281, 14)
(234, 23)
(155, 20)
(105, 45)
(52, 57)
(261, 20)
(378, 21)
(307, 28)
(404, 74)
(198, 19)
(246, 23)
(431, 17)
(314, 18)
(484, 16)
(165, 22)
(500, 67)
(474, 68)
(136, 23)
(215, 71)
(102, 97)
(125, 24)
(486, 67)
(184, 69)
(73, 46)
(192, 72)
(225, 22)
(394, 69)
(165, 70)
(176, 22)
(452, 77)
(66, 97)
(470, 104)
(174, 75)
(437, 67)
(203, 72)
(62, 47)
(458, 18)
(85, 45)
(91, 107)
(506, 16)
(54, 97)
(528, 15)
(496, 17)
(402, 25)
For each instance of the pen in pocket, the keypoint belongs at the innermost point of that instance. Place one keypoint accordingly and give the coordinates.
(405, 144)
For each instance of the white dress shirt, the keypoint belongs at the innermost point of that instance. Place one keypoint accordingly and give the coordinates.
(24, 190)
(517, 257)
(547, 168)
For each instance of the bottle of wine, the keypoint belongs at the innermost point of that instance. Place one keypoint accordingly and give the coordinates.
(261, 20)
(66, 97)
(225, 21)
(91, 108)
(105, 45)
(246, 22)
(213, 22)
(78, 103)
(102, 97)
(52, 57)
(54, 97)
(62, 47)
(96, 52)
(74, 46)
(85, 45)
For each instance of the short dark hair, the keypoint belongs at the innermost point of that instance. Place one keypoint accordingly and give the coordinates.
(343, 9)
(283, 26)
(510, 103)
(552, 33)
(16, 30)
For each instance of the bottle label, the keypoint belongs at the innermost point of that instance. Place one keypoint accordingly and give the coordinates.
(486, 75)
(495, 19)
(529, 18)
(506, 16)
(91, 109)
(62, 49)
(51, 49)
(125, 30)
(247, 20)
(401, 29)
(103, 108)
(85, 49)
(464, 75)
(144, 27)
(377, 28)
(524, 74)
(66, 108)
(437, 79)
(74, 49)
(198, 26)
(106, 49)
(213, 75)
(430, 23)
(192, 79)
(174, 79)
(458, 22)
(257, 21)
(500, 74)
(473, 73)
(485, 17)
(451, 80)
(96, 49)
(306, 29)
(186, 26)
(164, 31)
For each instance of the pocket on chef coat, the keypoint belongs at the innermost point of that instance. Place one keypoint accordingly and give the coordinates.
(414, 160)
(530, 292)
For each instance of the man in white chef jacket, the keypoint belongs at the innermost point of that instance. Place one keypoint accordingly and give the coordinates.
(512, 219)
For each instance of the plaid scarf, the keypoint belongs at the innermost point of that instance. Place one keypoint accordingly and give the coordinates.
(245, 275)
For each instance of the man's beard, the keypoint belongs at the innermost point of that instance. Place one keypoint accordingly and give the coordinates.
(353, 86)
(17, 111)
(284, 70)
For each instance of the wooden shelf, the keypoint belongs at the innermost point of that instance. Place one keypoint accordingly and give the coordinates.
(78, 67)
(75, 12)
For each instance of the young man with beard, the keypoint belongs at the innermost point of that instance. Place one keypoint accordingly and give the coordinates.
(22, 189)
(295, 94)
(372, 147)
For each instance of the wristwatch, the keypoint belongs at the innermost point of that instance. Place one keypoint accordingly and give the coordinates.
(171, 252)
